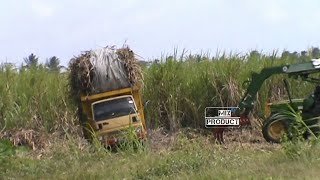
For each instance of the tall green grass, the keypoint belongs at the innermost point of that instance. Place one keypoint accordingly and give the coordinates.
(189, 159)
(179, 88)
(34, 99)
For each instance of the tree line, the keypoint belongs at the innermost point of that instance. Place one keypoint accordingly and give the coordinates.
(52, 63)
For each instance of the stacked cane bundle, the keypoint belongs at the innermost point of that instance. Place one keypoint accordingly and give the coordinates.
(104, 70)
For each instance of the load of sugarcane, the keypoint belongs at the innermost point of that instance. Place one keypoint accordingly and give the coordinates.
(104, 69)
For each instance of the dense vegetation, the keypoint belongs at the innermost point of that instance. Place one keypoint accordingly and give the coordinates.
(34, 101)
(178, 87)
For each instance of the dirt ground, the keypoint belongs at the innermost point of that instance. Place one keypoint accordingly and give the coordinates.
(160, 140)
(243, 138)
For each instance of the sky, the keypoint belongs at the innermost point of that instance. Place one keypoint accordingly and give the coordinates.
(152, 28)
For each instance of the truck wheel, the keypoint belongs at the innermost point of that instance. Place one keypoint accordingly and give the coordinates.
(87, 134)
(274, 129)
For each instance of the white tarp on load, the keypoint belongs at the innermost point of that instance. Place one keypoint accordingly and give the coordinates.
(109, 70)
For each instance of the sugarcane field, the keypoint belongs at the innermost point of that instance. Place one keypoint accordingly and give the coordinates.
(98, 91)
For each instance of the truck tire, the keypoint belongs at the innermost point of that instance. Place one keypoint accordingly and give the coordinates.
(87, 134)
(273, 130)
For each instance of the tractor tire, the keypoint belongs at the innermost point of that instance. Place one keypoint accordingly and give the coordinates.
(314, 124)
(273, 130)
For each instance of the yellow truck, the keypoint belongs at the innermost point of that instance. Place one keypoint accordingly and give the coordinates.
(109, 114)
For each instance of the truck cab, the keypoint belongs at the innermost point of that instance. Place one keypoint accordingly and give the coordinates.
(110, 114)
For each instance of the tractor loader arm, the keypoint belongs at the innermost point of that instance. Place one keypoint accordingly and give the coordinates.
(246, 104)
(257, 79)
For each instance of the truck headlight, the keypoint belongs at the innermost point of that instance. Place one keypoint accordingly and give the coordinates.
(139, 130)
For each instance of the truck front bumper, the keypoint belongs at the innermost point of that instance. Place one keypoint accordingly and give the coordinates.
(118, 138)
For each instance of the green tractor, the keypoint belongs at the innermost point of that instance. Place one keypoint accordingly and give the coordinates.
(275, 126)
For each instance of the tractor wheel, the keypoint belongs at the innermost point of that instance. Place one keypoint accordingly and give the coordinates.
(273, 130)
(314, 126)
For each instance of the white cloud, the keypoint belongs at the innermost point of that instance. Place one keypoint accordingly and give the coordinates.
(42, 8)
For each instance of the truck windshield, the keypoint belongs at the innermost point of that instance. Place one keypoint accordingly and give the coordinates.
(113, 108)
